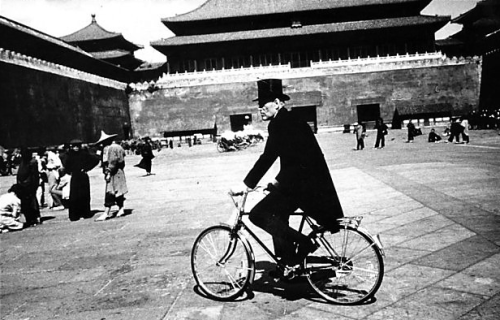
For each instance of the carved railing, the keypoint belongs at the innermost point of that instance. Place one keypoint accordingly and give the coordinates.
(320, 68)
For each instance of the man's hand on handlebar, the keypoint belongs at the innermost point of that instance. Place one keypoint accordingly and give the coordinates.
(239, 189)
(272, 186)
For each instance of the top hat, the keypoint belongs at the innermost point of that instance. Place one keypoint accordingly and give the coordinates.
(75, 141)
(270, 89)
(105, 137)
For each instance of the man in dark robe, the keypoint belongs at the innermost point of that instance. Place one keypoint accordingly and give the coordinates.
(78, 163)
(303, 181)
(28, 178)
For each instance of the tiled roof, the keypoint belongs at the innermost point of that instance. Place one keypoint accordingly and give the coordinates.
(304, 30)
(150, 66)
(38, 34)
(484, 8)
(110, 54)
(91, 32)
(220, 9)
(448, 42)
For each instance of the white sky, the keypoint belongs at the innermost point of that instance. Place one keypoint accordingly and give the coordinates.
(139, 21)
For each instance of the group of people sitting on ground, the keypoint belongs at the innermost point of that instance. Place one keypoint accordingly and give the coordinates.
(458, 127)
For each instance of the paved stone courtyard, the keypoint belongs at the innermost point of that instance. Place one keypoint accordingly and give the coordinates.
(435, 206)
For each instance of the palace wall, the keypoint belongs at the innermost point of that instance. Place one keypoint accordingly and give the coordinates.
(198, 101)
(44, 104)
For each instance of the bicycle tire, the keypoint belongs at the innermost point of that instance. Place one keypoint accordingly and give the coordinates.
(350, 276)
(220, 147)
(221, 281)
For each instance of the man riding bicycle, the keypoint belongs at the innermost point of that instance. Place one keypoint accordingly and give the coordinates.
(303, 181)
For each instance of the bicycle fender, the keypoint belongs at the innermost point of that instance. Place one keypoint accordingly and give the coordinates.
(248, 248)
(375, 239)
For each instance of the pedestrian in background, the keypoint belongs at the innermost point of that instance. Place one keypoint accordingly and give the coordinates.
(41, 158)
(53, 165)
(359, 131)
(465, 129)
(60, 191)
(78, 163)
(113, 163)
(28, 178)
(381, 128)
(455, 131)
(147, 156)
(411, 131)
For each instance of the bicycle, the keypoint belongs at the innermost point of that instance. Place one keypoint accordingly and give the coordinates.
(225, 145)
(347, 268)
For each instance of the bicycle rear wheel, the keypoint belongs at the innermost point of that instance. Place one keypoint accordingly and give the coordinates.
(222, 264)
(347, 268)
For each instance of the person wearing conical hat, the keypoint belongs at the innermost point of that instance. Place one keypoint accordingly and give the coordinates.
(113, 164)
(303, 181)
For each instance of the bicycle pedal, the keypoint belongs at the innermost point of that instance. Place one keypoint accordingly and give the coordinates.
(290, 273)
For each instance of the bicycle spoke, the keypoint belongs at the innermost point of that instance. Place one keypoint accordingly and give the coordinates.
(232, 279)
(220, 280)
(360, 251)
(351, 277)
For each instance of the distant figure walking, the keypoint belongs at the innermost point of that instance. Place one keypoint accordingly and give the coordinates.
(381, 128)
(455, 131)
(465, 130)
(147, 156)
(360, 136)
(411, 131)
(113, 163)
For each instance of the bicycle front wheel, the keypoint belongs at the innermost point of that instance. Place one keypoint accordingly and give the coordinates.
(347, 268)
(222, 264)
(220, 147)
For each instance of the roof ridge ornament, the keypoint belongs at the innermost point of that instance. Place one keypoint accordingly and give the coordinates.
(93, 18)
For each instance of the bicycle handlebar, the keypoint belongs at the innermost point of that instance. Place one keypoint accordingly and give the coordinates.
(244, 193)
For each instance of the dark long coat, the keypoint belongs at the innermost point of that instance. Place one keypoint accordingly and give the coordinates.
(28, 178)
(147, 157)
(304, 175)
(77, 164)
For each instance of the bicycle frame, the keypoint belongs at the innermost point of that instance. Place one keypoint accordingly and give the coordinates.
(353, 222)
(347, 268)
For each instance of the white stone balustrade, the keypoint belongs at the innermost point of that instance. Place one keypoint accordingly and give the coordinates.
(320, 68)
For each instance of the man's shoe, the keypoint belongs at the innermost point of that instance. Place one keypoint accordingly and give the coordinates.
(289, 274)
(103, 217)
(120, 213)
(276, 273)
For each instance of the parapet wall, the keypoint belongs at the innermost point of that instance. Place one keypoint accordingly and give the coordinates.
(43, 104)
(200, 100)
